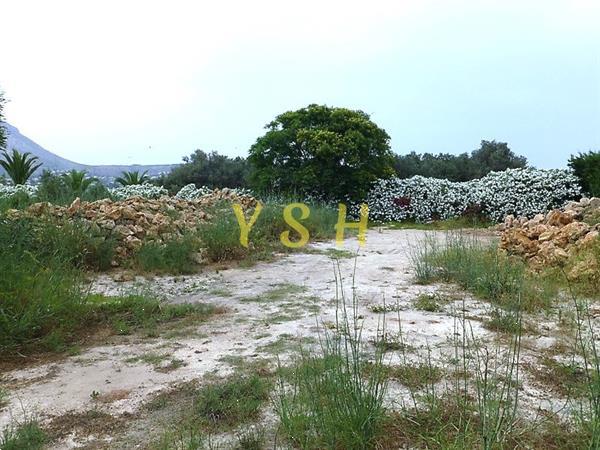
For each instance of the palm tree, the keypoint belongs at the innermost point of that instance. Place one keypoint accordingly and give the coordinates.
(77, 181)
(19, 166)
(130, 178)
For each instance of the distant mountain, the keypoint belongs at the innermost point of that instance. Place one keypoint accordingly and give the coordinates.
(54, 162)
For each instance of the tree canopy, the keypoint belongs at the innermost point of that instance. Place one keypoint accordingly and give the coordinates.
(491, 156)
(333, 152)
(586, 167)
(207, 169)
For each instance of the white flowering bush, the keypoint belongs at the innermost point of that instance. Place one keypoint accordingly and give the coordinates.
(9, 191)
(138, 190)
(191, 192)
(521, 192)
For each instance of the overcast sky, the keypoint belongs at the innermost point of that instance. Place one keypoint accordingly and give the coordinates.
(107, 82)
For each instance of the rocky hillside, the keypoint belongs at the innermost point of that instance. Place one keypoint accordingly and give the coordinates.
(52, 161)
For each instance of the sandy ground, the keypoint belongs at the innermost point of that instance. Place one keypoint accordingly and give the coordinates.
(118, 378)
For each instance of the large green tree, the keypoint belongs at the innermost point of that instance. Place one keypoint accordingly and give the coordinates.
(334, 152)
(207, 169)
(586, 167)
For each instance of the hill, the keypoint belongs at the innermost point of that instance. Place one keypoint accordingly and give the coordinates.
(54, 162)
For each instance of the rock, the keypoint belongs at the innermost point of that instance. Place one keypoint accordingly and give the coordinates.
(122, 277)
(557, 218)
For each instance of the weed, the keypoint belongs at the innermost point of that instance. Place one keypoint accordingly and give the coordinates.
(174, 256)
(325, 401)
(28, 435)
(429, 302)
(231, 402)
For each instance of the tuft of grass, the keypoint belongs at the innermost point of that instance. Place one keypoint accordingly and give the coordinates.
(416, 376)
(441, 225)
(232, 402)
(429, 302)
(503, 321)
(28, 435)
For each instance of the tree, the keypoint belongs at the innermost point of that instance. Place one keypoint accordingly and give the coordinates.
(207, 169)
(19, 166)
(78, 182)
(495, 156)
(131, 178)
(491, 156)
(334, 152)
(586, 167)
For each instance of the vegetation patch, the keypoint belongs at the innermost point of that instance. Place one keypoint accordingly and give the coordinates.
(234, 401)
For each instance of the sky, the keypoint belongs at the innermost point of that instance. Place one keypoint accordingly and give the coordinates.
(147, 82)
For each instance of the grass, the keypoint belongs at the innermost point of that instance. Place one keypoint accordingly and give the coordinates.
(235, 401)
(479, 268)
(3, 398)
(324, 399)
(28, 435)
(429, 303)
(221, 235)
(276, 294)
(175, 256)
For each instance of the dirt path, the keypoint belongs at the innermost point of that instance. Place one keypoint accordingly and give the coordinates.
(269, 308)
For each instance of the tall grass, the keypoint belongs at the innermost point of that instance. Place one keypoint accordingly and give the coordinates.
(176, 256)
(327, 401)
(480, 268)
(588, 415)
(44, 299)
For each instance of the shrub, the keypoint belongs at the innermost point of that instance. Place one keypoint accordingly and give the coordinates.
(138, 190)
(521, 192)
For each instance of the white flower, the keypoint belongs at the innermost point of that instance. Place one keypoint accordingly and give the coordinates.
(138, 190)
(521, 192)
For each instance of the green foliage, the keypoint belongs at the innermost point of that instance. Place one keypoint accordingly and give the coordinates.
(132, 178)
(43, 298)
(207, 169)
(232, 402)
(491, 156)
(586, 167)
(326, 400)
(221, 235)
(174, 256)
(27, 436)
(19, 166)
(334, 152)
(481, 269)
(77, 181)
(63, 189)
